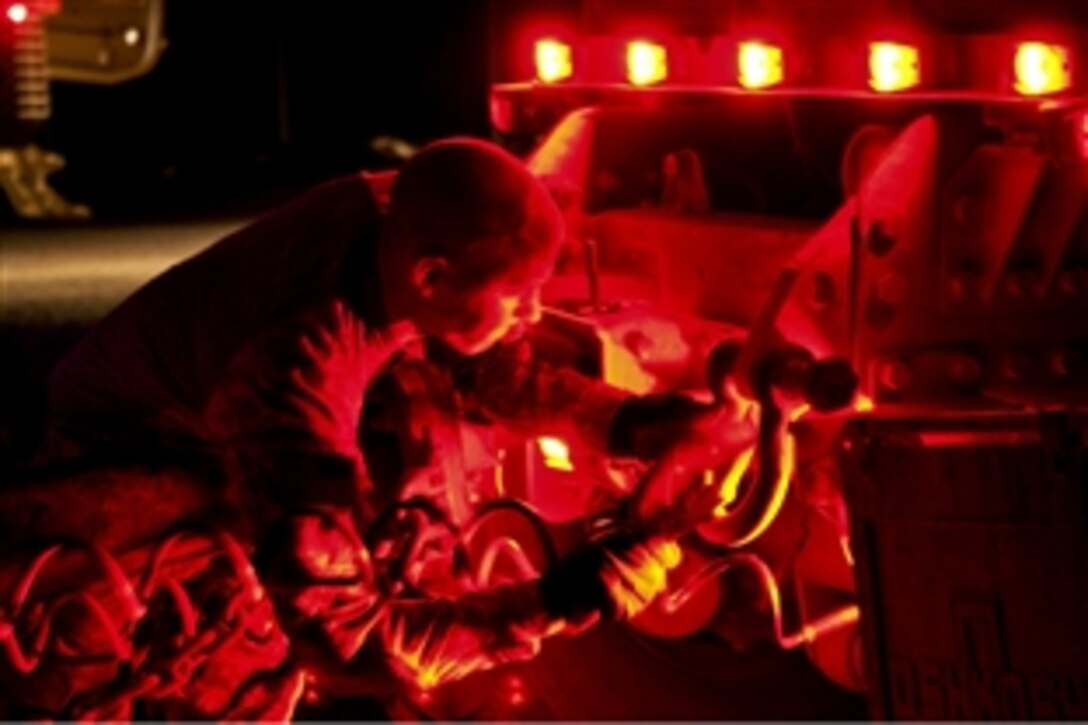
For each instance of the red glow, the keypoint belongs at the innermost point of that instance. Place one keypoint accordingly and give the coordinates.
(1042, 68)
(554, 60)
(18, 13)
(893, 67)
(759, 64)
(647, 63)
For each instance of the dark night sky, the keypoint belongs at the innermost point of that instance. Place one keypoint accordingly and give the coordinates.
(254, 96)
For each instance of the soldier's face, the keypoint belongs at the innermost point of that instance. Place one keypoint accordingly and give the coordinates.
(475, 320)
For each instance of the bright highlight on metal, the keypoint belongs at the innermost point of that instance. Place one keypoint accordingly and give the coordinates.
(556, 453)
(1042, 68)
(18, 13)
(554, 60)
(730, 483)
(893, 67)
(647, 63)
(759, 65)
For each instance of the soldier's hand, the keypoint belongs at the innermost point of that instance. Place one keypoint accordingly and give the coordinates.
(707, 438)
(616, 576)
(635, 575)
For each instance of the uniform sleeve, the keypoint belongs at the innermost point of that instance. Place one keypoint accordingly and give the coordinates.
(433, 642)
(513, 386)
(332, 596)
(286, 415)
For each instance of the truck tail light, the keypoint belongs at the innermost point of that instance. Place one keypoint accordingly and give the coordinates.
(759, 65)
(893, 67)
(554, 60)
(647, 63)
(18, 13)
(1042, 68)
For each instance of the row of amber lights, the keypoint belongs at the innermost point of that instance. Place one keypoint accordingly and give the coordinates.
(1040, 68)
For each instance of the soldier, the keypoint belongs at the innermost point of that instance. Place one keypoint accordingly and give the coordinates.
(260, 350)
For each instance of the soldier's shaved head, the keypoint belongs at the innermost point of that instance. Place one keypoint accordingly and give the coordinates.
(475, 205)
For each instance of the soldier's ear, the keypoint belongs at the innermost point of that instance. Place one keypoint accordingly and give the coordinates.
(428, 273)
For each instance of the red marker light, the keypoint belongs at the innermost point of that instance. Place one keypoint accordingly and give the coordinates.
(1084, 135)
(515, 691)
(893, 67)
(554, 60)
(18, 13)
(759, 65)
(502, 114)
(1042, 68)
(647, 63)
